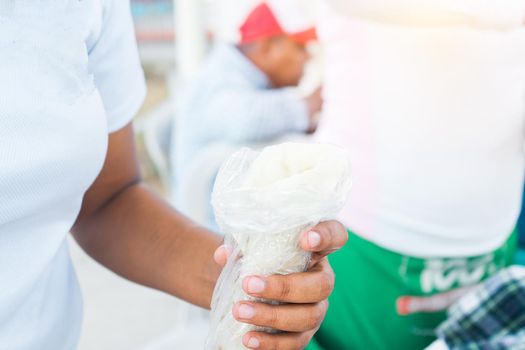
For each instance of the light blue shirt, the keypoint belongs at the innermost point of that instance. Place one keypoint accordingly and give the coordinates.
(231, 101)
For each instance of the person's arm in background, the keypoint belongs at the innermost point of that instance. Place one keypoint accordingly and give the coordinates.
(128, 229)
(314, 102)
(255, 116)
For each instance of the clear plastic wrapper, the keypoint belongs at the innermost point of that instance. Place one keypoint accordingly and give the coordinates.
(263, 201)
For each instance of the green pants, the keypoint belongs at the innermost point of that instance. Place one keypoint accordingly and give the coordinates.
(385, 300)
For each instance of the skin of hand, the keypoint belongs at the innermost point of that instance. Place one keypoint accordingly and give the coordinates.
(314, 102)
(133, 232)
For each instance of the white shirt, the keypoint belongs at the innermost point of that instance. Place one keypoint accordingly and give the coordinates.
(69, 75)
(433, 117)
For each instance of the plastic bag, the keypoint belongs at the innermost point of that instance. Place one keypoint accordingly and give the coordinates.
(263, 202)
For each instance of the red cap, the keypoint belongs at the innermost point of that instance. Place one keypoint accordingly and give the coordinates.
(262, 23)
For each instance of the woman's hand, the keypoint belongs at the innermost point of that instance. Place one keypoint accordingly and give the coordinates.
(304, 294)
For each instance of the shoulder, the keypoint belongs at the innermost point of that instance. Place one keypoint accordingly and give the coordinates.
(105, 16)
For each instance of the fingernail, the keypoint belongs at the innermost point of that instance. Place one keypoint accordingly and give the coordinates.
(217, 255)
(256, 285)
(245, 312)
(314, 239)
(253, 343)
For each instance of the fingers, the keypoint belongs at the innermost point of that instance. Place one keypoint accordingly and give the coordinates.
(305, 293)
(308, 287)
(283, 341)
(288, 318)
(324, 238)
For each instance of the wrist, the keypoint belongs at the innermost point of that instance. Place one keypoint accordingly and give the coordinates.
(189, 268)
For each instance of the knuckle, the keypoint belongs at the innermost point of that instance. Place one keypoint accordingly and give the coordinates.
(316, 317)
(345, 237)
(334, 232)
(268, 342)
(325, 305)
(273, 317)
(338, 226)
(338, 230)
(273, 345)
(269, 346)
(323, 228)
(284, 289)
(304, 340)
(327, 284)
(319, 317)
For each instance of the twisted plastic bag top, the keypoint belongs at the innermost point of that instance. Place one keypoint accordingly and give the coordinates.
(282, 187)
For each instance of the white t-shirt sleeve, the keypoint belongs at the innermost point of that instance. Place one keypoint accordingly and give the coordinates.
(115, 65)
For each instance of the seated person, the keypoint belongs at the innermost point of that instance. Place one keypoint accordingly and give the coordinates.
(242, 95)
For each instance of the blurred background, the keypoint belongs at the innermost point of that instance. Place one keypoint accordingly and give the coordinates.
(174, 37)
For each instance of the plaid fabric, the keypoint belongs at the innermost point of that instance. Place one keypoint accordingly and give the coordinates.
(492, 317)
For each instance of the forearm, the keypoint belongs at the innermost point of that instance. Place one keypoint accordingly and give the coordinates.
(140, 237)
